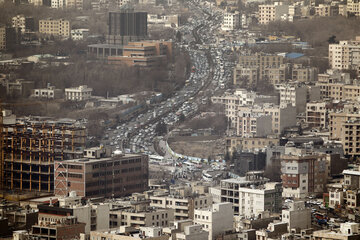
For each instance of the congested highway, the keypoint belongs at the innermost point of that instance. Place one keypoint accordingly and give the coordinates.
(210, 73)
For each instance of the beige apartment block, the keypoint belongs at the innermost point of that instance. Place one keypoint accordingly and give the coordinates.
(316, 114)
(183, 206)
(146, 218)
(353, 6)
(301, 73)
(249, 143)
(345, 54)
(282, 116)
(326, 10)
(216, 220)
(272, 12)
(252, 67)
(350, 138)
(55, 27)
(77, 4)
(337, 120)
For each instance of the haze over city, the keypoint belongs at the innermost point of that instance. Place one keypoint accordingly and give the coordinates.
(179, 119)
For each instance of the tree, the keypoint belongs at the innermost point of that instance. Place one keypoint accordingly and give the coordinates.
(332, 40)
(227, 156)
(178, 36)
(161, 129)
(182, 117)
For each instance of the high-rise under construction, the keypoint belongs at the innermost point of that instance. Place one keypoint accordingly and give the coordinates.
(29, 147)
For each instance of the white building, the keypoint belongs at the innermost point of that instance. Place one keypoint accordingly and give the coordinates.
(183, 206)
(50, 93)
(253, 124)
(80, 93)
(21, 22)
(231, 21)
(95, 216)
(282, 116)
(293, 94)
(57, 3)
(345, 54)
(79, 34)
(216, 220)
(192, 232)
(297, 216)
(336, 197)
(251, 195)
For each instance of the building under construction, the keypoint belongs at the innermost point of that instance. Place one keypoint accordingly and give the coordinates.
(29, 147)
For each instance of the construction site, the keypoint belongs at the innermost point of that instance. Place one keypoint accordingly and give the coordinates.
(30, 145)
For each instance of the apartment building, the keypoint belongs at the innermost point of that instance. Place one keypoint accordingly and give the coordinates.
(282, 116)
(253, 124)
(252, 67)
(183, 206)
(231, 21)
(251, 200)
(327, 10)
(55, 27)
(297, 216)
(79, 34)
(76, 4)
(303, 175)
(80, 93)
(216, 220)
(57, 3)
(99, 174)
(49, 93)
(249, 143)
(146, 217)
(336, 196)
(272, 12)
(240, 97)
(192, 232)
(350, 138)
(67, 228)
(338, 118)
(19, 88)
(260, 60)
(347, 231)
(23, 24)
(353, 7)
(338, 86)
(130, 233)
(275, 75)
(317, 114)
(300, 73)
(345, 54)
(94, 216)
(247, 76)
(293, 94)
(8, 38)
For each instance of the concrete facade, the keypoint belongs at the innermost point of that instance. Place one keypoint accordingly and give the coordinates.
(216, 220)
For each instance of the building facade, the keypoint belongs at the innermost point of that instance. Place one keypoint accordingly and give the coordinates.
(216, 220)
(81, 93)
(119, 175)
(303, 175)
(55, 27)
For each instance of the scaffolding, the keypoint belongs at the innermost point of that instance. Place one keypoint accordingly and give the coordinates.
(29, 149)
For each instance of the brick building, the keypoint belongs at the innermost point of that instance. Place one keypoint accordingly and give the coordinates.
(100, 175)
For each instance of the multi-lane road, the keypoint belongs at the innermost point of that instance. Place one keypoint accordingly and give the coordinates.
(211, 74)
